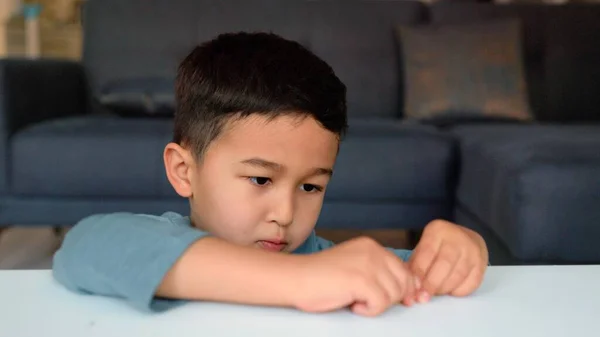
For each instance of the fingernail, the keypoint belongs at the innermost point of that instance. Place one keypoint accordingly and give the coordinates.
(423, 297)
(409, 302)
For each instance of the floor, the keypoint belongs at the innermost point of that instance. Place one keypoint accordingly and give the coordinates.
(388, 238)
(27, 248)
(32, 248)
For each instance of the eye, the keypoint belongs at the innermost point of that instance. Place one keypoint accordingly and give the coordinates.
(260, 181)
(311, 188)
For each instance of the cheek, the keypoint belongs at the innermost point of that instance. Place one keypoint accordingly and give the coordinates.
(306, 215)
(228, 207)
(310, 209)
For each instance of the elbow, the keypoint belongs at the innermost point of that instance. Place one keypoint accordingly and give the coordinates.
(60, 272)
(69, 265)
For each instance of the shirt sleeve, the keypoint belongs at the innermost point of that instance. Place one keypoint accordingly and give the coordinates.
(322, 244)
(123, 255)
(403, 254)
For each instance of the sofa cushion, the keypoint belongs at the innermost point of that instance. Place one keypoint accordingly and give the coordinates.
(536, 187)
(109, 156)
(140, 97)
(533, 37)
(91, 157)
(462, 71)
(397, 163)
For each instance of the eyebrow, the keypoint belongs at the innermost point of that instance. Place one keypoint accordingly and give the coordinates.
(266, 164)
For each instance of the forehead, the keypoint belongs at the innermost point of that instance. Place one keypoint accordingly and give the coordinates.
(288, 139)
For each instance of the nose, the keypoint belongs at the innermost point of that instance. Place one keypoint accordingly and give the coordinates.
(282, 210)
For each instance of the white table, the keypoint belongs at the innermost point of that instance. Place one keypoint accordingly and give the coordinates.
(513, 301)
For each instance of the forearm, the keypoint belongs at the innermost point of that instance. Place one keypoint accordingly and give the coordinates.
(215, 270)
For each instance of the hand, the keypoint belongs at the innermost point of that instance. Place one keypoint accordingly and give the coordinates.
(358, 273)
(448, 260)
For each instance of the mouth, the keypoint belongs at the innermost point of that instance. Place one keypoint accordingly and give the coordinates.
(273, 246)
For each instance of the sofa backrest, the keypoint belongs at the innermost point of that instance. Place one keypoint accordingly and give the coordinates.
(357, 38)
(133, 45)
(561, 53)
(572, 62)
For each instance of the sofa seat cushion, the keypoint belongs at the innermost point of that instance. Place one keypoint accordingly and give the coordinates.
(112, 156)
(536, 187)
(390, 161)
(91, 156)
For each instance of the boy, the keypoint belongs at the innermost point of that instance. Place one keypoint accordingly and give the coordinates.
(257, 129)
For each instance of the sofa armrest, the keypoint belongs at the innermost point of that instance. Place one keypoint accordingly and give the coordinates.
(36, 90)
(32, 91)
(536, 189)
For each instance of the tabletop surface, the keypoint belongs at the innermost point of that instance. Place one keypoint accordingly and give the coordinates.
(513, 301)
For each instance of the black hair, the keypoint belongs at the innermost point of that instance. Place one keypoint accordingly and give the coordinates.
(241, 74)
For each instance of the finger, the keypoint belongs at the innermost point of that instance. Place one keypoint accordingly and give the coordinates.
(470, 283)
(360, 308)
(417, 288)
(371, 299)
(404, 280)
(440, 270)
(422, 258)
(391, 287)
(457, 276)
(411, 292)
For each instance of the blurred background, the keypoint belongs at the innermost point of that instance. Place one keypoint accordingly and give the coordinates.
(486, 113)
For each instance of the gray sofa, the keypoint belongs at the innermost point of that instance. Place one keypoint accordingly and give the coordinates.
(86, 138)
(81, 139)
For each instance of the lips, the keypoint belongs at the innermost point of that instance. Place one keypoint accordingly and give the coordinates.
(274, 246)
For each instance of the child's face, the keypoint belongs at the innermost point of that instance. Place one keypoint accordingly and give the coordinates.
(260, 183)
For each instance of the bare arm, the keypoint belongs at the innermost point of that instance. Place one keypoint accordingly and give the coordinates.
(215, 270)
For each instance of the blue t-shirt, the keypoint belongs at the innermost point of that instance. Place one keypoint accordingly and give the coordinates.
(127, 255)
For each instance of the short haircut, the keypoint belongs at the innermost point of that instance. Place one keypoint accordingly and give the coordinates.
(237, 75)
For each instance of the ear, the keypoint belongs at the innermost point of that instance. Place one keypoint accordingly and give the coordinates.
(179, 166)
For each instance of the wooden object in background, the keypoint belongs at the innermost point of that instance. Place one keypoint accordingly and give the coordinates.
(31, 13)
(8, 8)
(59, 26)
(60, 11)
(388, 238)
(58, 40)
